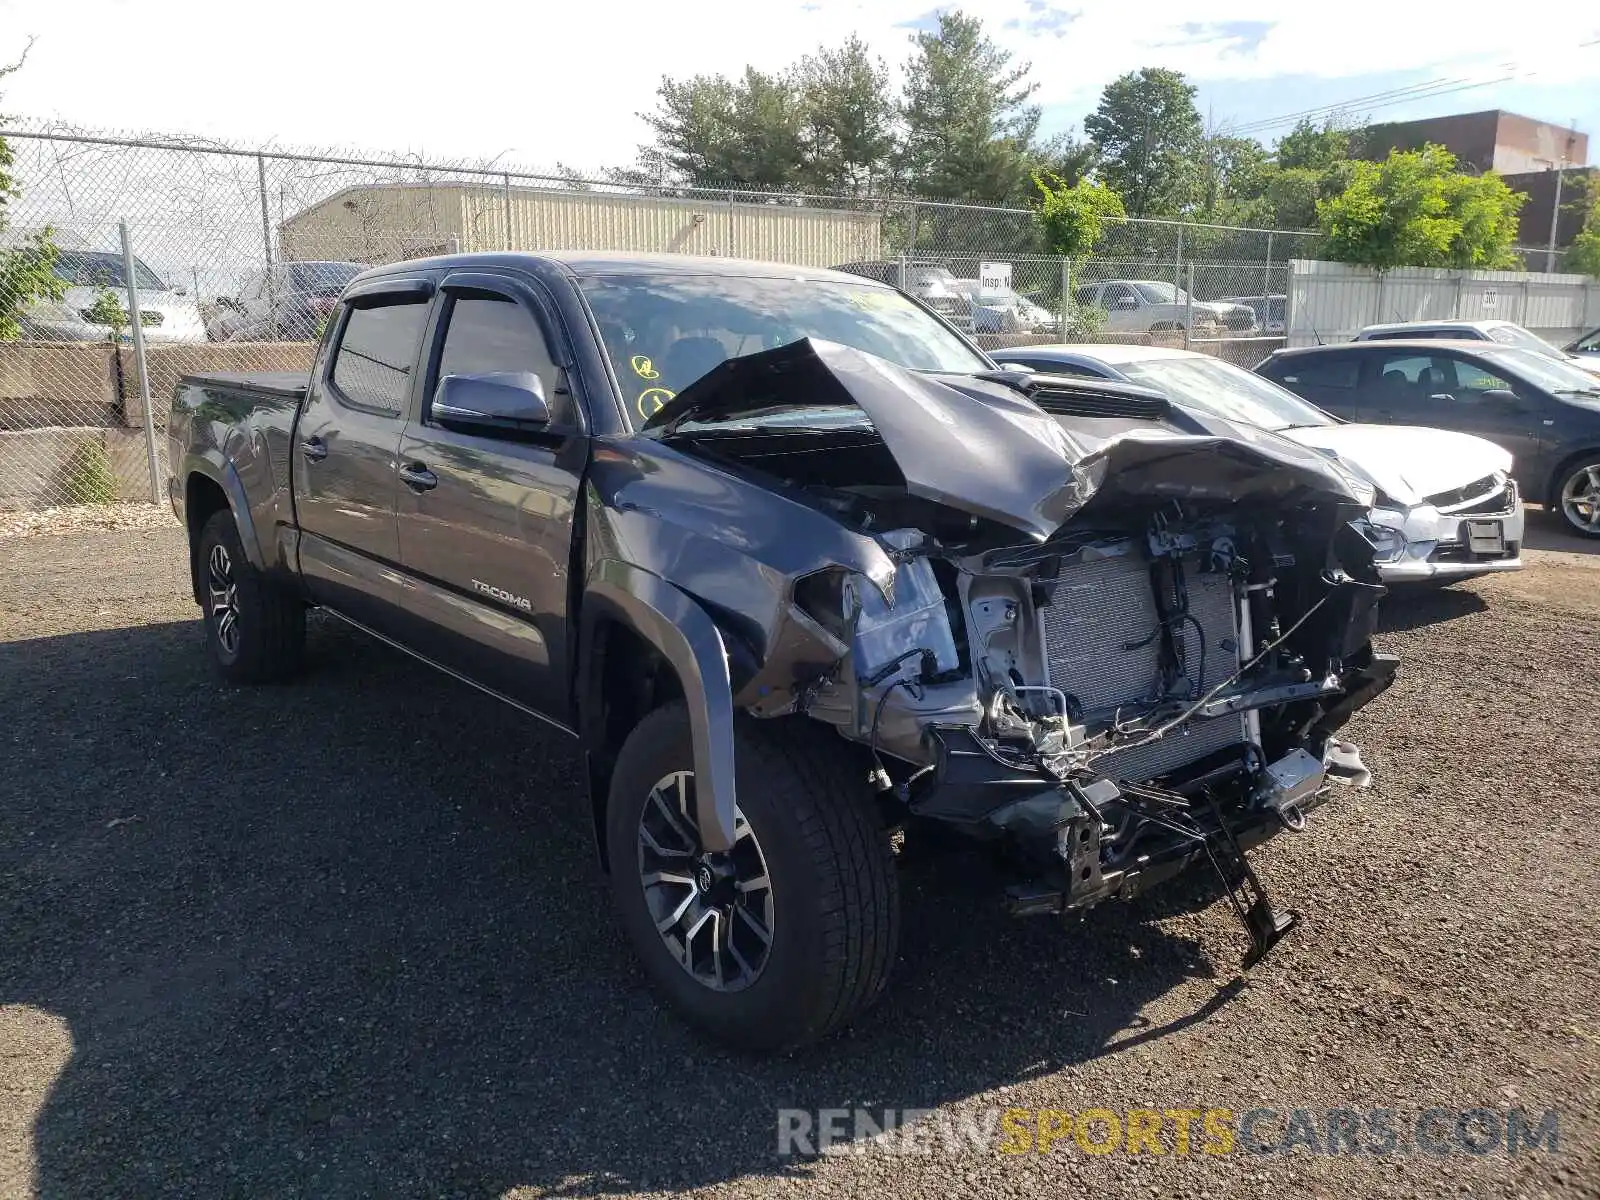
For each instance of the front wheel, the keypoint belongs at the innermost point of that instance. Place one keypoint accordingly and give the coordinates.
(786, 937)
(1580, 496)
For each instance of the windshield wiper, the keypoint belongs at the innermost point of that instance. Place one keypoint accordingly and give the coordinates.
(1583, 391)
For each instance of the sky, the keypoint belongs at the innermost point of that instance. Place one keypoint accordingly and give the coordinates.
(535, 83)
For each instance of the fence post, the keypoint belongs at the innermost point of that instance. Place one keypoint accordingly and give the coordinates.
(1377, 303)
(1066, 291)
(1177, 263)
(139, 363)
(1461, 287)
(902, 283)
(733, 240)
(1522, 317)
(505, 204)
(1188, 306)
(1266, 280)
(266, 231)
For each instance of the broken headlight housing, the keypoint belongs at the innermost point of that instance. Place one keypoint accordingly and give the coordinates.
(1388, 543)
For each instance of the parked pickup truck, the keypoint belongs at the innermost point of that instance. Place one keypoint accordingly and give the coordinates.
(799, 568)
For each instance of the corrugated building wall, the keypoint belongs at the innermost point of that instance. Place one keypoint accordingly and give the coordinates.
(1332, 302)
(389, 222)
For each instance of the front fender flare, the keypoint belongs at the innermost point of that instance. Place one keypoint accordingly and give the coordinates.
(671, 621)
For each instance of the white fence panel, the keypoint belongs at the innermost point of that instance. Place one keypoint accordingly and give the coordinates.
(1332, 302)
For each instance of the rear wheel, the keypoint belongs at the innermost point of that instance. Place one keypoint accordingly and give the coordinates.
(1579, 495)
(785, 937)
(255, 627)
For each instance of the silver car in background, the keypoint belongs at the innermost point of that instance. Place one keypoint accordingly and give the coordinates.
(166, 313)
(1446, 508)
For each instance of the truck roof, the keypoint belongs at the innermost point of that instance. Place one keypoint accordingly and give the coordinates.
(616, 262)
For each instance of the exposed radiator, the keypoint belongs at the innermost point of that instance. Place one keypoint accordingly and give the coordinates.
(1097, 608)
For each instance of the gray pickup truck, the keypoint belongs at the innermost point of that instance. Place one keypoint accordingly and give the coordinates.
(801, 570)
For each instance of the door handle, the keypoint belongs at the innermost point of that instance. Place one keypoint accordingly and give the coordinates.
(418, 478)
(314, 448)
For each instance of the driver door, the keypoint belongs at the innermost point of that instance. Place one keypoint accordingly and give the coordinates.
(486, 519)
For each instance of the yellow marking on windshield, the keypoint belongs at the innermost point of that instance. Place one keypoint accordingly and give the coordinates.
(643, 367)
(652, 400)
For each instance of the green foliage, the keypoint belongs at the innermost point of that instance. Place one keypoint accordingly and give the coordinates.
(1583, 256)
(1148, 133)
(87, 477)
(969, 124)
(715, 132)
(107, 310)
(1415, 209)
(848, 120)
(27, 269)
(1072, 218)
(1314, 148)
(1235, 169)
(1084, 321)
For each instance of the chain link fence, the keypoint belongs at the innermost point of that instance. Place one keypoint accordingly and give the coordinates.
(237, 257)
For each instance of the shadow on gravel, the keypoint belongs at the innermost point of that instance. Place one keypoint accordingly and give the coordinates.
(1410, 608)
(347, 937)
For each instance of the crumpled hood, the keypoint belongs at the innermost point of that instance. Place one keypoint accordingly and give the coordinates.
(1408, 461)
(982, 447)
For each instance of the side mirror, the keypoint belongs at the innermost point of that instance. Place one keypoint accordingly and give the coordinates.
(1124, 303)
(492, 402)
(1503, 396)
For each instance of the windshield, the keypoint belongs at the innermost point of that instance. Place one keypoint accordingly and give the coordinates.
(322, 277)
(1551, 374)
(662, 332)
(1516, 335)
(1162, 293)
(1224, 390)
(90, 268)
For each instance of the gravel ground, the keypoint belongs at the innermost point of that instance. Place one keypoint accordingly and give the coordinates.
(345, 937)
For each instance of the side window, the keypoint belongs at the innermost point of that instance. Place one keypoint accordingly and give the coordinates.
(1409, 378)
(1115, 292)
(373, 364)
(1473, 379)
(490, 333)
(1340, 372)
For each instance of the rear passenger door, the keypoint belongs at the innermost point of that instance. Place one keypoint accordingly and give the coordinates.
(1330, 381)
(347, 439)
(486, 520)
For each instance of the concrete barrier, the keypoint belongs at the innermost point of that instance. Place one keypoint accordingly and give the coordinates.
(40, 468)
(45, 384)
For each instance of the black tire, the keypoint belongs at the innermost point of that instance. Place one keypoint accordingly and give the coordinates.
(1576, 474)
(266, 638)
(834, 895)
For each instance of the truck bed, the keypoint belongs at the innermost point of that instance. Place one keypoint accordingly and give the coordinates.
(292, 384)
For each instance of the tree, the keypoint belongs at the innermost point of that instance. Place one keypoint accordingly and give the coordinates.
(1312, 147)
(1072, 217)
(1148, 134)
(1583, 256)
(848, 119)
(714, 132)
(1415, 209)
(1235, 168)
(969, 126)
(27, 268)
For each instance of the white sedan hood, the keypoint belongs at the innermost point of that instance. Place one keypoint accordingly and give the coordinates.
(1407, 461)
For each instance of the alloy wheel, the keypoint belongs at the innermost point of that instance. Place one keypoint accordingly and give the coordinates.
(222, 590)
(1580, 498)
(713, 911)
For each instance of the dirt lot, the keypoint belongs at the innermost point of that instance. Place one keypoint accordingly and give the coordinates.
(346, 938)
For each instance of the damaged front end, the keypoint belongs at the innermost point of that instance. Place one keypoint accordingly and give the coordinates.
(1117, 638)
